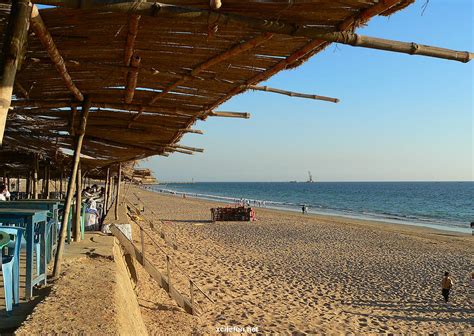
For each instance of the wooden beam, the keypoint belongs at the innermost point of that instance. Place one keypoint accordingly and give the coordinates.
(70, 191)
(292, 94)
(135, 117)
(307, 50)
(234, 51)
(156, 9)
(46, 40)
(226, 114)
(171, 149)
(133, 22)
(132, 78)
(12, 54)
(107, 105)
(192, 149)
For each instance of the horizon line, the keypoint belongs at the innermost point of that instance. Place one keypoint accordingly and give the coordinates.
(329, 181)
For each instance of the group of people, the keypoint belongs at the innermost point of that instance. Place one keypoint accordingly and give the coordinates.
(93, 198)
(247, 203)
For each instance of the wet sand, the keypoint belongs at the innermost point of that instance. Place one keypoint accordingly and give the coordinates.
(289, 273)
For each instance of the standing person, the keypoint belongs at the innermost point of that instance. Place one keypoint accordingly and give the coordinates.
(4, 193)
(303, 209)
(446, 284)
(472, 228)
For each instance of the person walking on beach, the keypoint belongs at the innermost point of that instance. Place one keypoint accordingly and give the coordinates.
(446, 284)
(304, 209)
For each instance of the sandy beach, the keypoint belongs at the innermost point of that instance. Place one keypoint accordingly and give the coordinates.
(303, 274)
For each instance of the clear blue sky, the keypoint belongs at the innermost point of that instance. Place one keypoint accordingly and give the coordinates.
(401, 117)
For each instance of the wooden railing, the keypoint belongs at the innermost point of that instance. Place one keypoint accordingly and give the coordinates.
(164, 280)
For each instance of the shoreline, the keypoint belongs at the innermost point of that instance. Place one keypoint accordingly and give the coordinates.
(383, 221)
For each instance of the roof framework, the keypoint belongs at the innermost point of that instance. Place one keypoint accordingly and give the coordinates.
(149, 79)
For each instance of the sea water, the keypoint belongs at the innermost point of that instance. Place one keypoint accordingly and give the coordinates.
(443, 205)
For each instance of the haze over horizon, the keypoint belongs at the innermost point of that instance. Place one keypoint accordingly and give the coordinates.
(401, 117)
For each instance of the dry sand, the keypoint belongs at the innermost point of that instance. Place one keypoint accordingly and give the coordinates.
(93, 296)
(289, 273)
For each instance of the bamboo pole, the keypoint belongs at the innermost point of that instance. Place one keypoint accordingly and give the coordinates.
(109, 193)
(107, 105)
(72, 118)
(46, 40)
(226, 114)
(13, 49)
(78, 208)
(193, 149)
(70, 192)
(133, 22)
(156, 9)
(106, 192)
(234, 51)
(174, 149)
(117, 197)
(291, 93)
(132, 78)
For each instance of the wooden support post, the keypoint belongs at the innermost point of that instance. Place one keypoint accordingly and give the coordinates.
(78, 212)
(16, 34)
(142, 239)
(109, 192)
(70, 191)
(48, 179)
(117, 195)
(42, 184)
(106, 193)
(28, 184)
(35, 177)
(61, 177)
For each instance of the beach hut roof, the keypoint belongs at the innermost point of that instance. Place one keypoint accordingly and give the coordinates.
(152, 71)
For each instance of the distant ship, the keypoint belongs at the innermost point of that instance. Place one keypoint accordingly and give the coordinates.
(310, 178)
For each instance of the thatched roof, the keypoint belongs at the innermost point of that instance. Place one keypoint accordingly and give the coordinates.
(150, 79)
